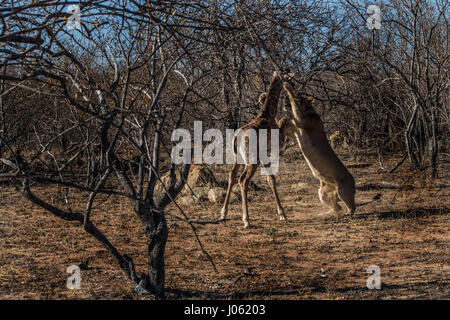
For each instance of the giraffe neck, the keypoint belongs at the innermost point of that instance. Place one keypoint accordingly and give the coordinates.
(270, 107)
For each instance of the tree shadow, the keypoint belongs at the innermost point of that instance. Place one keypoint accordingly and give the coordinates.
(378, 186)
(359, 165)
(237, 295)
(420, 288)
(410, 213)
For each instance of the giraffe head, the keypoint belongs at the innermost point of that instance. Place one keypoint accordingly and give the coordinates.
(285, 75)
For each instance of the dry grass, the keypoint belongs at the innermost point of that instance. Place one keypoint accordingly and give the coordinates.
(405, 232)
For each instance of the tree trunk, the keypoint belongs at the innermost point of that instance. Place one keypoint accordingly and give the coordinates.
(434, 146)
(157, 234)
(408, 139)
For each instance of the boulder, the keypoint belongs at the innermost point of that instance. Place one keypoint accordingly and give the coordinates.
(200, 192)
(216, 195)
(199, 176)
(186, 200)
(301, 186)
(252, 186)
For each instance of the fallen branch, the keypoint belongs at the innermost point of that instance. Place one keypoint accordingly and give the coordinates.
(397, 165)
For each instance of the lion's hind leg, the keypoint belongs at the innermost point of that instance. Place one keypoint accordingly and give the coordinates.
(328, 196)
(346, 192)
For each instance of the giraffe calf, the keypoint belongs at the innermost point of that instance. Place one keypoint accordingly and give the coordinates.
(265, 119)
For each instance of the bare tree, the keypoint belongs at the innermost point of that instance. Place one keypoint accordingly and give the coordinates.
(114, 85)
(389, 87)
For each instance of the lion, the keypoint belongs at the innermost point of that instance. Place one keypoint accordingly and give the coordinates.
(336, 182)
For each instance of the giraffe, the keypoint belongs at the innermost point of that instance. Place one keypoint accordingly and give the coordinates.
(265, 119)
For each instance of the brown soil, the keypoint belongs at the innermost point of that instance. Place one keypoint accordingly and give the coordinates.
(405, 232)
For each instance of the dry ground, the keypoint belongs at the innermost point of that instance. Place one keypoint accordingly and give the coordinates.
(405, 233)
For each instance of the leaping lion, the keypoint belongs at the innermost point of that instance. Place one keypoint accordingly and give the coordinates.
(336, 182)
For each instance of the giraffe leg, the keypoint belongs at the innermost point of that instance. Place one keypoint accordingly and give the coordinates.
(232, 179)
(244, 181)
(272, 183)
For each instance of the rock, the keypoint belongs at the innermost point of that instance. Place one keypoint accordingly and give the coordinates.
(216, 286)
(216, 195)
(185, 201)
(200, 192)
(301, 186)
(252, 186)
(249, 271)
(199, 176)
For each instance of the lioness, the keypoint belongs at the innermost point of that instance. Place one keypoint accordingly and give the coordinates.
(335, 180)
